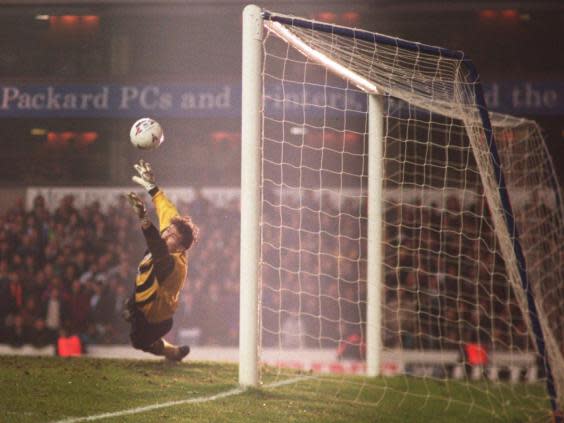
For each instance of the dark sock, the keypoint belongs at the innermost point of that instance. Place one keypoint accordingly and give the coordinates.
(157, 348)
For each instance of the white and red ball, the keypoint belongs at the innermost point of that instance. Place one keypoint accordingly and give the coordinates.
(146, 134)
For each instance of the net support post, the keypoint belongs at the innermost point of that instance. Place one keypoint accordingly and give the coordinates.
(250, 195)
(374, 235)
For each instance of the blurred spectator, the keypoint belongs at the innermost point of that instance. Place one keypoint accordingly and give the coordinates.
(16, 333)
(40, 335)
(15, 294)
(293, 331)
(54, 310)
(102, 305)
(5, 300)
(352, 346)
(30, 311)
(79, 304)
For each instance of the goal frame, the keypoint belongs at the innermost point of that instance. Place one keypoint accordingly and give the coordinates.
(253, 19)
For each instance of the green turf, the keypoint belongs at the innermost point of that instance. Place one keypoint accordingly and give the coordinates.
(47, 389)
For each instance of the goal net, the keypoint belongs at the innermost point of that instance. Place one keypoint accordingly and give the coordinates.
(401, 228)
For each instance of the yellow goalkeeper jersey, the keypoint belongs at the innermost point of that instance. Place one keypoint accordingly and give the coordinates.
(161, 274)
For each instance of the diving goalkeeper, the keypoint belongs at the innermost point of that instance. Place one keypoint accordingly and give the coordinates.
(161, 272)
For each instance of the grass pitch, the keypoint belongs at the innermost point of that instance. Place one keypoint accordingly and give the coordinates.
(52, 389)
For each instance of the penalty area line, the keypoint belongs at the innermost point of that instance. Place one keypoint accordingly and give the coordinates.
(197, 400)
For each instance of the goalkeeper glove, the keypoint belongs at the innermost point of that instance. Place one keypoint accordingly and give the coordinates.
(138, 205)
(146, 177)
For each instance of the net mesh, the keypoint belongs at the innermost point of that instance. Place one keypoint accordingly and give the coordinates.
(450, 277)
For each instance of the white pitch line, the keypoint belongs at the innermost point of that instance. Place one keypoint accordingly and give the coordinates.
(197, 400)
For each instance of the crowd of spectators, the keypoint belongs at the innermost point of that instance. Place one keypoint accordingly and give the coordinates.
(70, 270)
(67, 270)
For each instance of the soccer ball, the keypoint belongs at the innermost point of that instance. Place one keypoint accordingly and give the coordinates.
(146, 134)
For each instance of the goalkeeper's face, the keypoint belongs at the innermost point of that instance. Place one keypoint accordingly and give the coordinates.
(172, 239)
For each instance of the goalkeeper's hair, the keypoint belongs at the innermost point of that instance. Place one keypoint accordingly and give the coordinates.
(187, 230)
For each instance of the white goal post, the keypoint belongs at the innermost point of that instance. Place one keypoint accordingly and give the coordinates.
(383, 207)
(250, 195)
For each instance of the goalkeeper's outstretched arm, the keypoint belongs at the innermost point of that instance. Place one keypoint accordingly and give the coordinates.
(157, 246)
(166, 210)
(178, 232)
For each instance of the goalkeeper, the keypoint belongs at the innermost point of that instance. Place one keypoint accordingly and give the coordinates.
(162, 271)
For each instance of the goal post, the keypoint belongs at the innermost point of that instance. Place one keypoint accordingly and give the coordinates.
(387, 215)
(250, 195)
(374, 234)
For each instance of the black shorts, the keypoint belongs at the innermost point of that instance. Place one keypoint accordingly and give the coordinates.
(143, 334)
